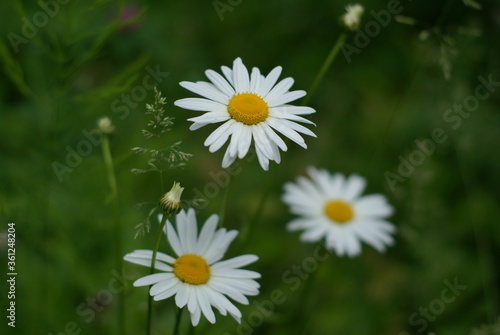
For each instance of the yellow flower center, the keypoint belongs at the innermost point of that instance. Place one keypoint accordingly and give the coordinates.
(339, 211)
(248, 108)
(192, 269)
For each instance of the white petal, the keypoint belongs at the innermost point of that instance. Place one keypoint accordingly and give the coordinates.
(210, 117)
(285, 98)
(278, 125)
(273, 136)
(313, 234)
(168, 292)
(219, 136)
(321, 179)
(153, 279)
(173, 239)
(182, 296)
(283, 113)
(219, 245)
(149, 254)
(299, 110)
(163, 286)
(373, 205)
(262, 141)
(233, 145)
(240, 76)
(235, 262)
(207, 233)
(245, 141)
(255, 80)
(299, 224)
(263, 160)
(204, 304)
(220, 83)
(206, 91)
(246, 286)
(336, 185)
(195, 317)
(228, 305)
(192, 301)
(281, 88)
(238, 273)
(146, 261)
(354, 186)
(269, 82)
(192, 231)
(230, 291)
(228, 159)
(199, 104)
(214, 298)
(228, 73)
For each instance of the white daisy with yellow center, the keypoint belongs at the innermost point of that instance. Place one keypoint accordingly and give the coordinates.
(331, 207)
(252, 106)
(196, 276)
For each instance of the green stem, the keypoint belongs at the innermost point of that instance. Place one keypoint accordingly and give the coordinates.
(222, 212)
(324, 68)
(178, 321)
(152, 270)
(108, 161)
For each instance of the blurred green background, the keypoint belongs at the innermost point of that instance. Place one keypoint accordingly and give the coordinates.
(63, 73)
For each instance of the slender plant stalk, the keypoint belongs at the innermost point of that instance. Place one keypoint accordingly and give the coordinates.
(178, 319)
(108, 161)
(152, 270)
(222, 212)
(249, 226)
(324, 68)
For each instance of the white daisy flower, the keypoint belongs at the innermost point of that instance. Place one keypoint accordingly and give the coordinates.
(252, 107)
(331, 206)
(196, 276)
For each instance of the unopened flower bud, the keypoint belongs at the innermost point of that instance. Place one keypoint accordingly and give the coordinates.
(105, 126)
(170, 202)
(352, 19)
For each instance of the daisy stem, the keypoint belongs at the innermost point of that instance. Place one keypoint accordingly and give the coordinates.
(324, 68)
(249, 226)
(152, 270)
(108, 161)
(178, 319)
(222, 213)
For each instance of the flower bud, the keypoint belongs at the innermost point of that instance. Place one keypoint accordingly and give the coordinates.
(105, 126)
(170, 202)
(352, 19)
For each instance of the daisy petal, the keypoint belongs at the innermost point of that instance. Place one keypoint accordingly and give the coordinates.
(240, 76)
(269, 81)
(206, 91)
(220, 83)
(199, 104)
